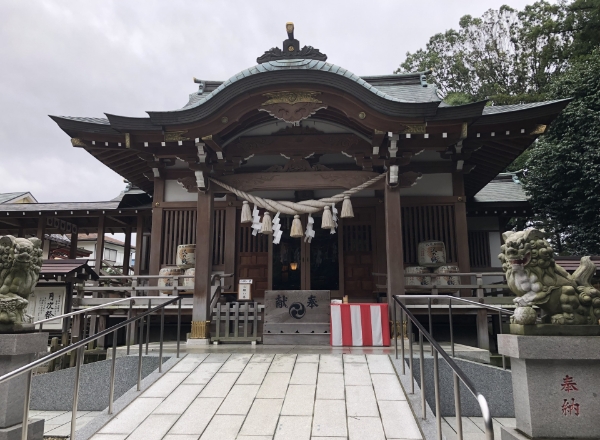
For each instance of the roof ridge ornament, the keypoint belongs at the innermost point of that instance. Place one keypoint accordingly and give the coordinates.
(291, 50)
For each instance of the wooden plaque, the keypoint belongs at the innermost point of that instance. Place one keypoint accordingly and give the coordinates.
(245, 290)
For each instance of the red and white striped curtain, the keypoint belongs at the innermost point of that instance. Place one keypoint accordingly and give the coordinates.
(360, 325)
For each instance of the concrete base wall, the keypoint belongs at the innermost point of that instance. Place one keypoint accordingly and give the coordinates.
(54, 391)
(35, 431)
(494, 383)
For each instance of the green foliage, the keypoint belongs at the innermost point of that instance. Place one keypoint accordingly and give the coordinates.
(545, 51)
(563, 169)
(584, 20)
(520, 162)
(458, 98)
(506, 56)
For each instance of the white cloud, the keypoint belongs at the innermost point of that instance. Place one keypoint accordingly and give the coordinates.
(84, 58)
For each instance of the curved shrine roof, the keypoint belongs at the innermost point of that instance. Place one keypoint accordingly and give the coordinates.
(395, 88)
(395, 102)
(406, 94)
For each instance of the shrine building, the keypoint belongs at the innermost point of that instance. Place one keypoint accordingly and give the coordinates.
(371, 166)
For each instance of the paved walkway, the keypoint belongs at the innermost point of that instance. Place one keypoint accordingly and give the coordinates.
(58, 423)
(270, 396)
(473, 427)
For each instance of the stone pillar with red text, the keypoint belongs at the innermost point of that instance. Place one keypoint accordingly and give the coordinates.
(556, 386)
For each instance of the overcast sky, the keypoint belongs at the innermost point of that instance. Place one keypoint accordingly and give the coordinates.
(84, 58)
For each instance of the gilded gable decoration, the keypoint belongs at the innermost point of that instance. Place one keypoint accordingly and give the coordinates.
(292, 107)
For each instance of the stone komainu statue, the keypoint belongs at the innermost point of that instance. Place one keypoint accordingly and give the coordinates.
(528, 261)
(20, 264)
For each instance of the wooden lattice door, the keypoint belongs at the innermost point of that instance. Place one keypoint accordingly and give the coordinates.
(253, 259)
(358, 247)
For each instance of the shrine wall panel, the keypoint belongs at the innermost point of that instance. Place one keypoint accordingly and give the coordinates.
(425, 223)
(483, 223)
(359, 248)
(174, 192)
(479, 249)
(179, 227)
(430, 185)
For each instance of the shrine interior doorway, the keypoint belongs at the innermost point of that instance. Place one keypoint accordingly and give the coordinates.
(342, 263)
(300, 265)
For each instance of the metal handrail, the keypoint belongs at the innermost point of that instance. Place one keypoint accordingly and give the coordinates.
(458, 374)
(459, 299)
(80, 346)
(435, 288)
(453, 274)
(67, 315)
(451, 298)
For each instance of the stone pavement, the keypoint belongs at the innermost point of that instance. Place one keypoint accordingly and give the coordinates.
(263, 396)
(58, 423)
(473, 427)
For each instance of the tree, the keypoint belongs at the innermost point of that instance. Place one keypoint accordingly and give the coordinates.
(545, 51)
(584, 21)
(506, 56)
(562, 174)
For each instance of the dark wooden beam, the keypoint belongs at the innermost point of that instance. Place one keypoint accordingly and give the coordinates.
(460, 224)
(202, 291)
(394, 249)
(157, 225)
(139, 240)
(127, 251)
(99, 245)
(214, 142)
(231, 214)
(293, 145)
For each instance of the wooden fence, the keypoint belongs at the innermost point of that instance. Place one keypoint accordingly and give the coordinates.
(229, 317)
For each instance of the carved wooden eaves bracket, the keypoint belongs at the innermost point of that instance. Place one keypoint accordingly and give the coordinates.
(459, 154)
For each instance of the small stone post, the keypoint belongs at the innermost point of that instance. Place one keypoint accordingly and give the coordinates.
(16, 350)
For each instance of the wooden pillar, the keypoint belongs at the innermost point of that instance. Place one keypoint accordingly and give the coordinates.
(139, 240)
(394, 251)
(157, 225)
(380, 241)
(340, 249)
(460, 221)
(231, 214)
(102, 321)
(127, 250)
(137, 267)
(41, 231)
(99, 245)
(73, 248)
(202, 289)
(462, 234)
(99, 255)
(462, 251)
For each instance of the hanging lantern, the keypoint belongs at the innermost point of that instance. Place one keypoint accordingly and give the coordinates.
(246, 213)
(267, 226)
(327, 221)
(296, 231)
(347, 211)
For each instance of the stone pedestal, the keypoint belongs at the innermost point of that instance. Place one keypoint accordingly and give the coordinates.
(556, 386)
(16, 350)
(297, 317)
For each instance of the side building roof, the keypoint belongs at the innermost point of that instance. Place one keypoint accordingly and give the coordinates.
(504, 188)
